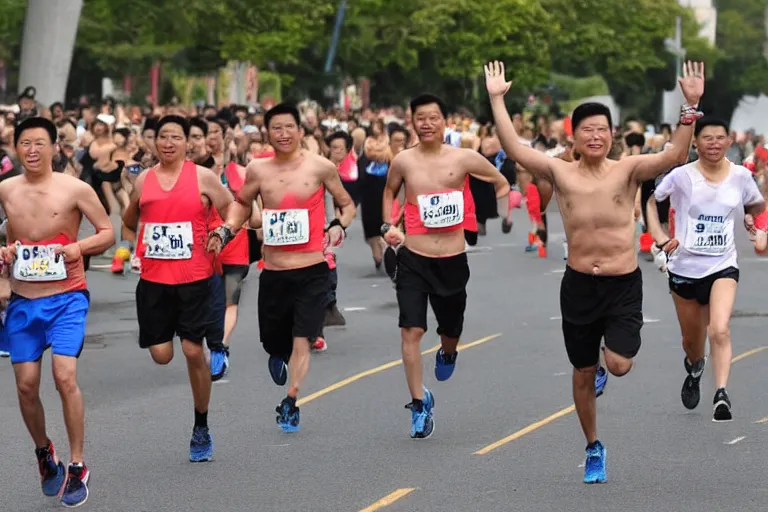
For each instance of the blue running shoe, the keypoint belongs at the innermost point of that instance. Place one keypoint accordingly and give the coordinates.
(52, 474)
(594, 467)
(201, 445)
(278, 370)
(444, 365)
(422, 419)
(601, 379)
(531, 248)
(219, 363)
(288, 416)
(76, 491)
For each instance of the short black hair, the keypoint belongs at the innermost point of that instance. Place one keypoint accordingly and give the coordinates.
(340, 135)
(665, 126)
(395, 128)
(634, 140)
(710, 121)
(125, 132)
(428, 99)
(200, 123)
(174, 119)
(281, 109)
(150, 123)
(590, 109)
(35, 122)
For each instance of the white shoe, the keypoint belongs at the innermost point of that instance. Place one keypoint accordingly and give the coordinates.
(3, 353)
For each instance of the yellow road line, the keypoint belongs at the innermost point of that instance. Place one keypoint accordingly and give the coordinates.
(379, 369)
(563, 412)
(748, 353)
(389, 499)
(764, 420)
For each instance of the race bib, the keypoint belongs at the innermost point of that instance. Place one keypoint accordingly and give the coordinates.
(285, 227)
(709, 235)
(171, 241)
(441, 210)
(38, 263)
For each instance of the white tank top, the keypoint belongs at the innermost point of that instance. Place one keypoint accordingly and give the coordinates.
(705, 217)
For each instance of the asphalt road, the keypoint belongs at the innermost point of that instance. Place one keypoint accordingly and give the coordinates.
(354, 449)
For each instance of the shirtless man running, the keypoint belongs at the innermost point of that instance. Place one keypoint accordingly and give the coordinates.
(294, 284)
(49, 301)
(432, 264)
(601, 295)
(172, 201)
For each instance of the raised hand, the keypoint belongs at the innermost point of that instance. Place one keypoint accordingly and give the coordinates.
(495, 79)
(692, 82)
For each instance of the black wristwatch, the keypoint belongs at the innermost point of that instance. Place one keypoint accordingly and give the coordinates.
(336, 222)
(385, 228)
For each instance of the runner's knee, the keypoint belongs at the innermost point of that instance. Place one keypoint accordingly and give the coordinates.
(719, 333)
(412, 334)
(162, 354)
(193, 351)
(618, 365)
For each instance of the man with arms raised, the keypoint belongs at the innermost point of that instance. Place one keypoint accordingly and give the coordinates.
(294, 284)
(703, 269)
(601, 295)
(432, 265)
(172, 201)
(49, 300)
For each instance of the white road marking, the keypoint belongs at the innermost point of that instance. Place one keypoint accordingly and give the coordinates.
(581, 465)
(555, 318)
(222, 381)
(646, 320)
(736, 440)
(374, 286)
(508, 245)
(354, 309)
(478, 248)
(560, 374)
(557, 271)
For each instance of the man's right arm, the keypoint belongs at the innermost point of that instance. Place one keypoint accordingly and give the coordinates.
(393, 186)
(131, 215)
(240, 209)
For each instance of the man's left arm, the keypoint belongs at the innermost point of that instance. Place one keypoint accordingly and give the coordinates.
(482, 169)
(343, 201)
(89, 204)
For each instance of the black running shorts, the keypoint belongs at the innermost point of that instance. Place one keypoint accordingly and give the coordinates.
(597, 307)
(291, 305)
(233, 282)
(441, 282)
(165, 310)
(699, 289)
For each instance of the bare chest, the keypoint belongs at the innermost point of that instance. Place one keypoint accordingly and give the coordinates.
(276, 189)
(430, 176)
(596, 203)
(40, 216)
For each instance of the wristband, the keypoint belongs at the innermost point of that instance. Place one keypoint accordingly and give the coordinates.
(661, 246)
(224, 234)
(689, 115)
(336, 222)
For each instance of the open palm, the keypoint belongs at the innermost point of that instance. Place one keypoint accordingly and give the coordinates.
(495, 81)
(692, 82)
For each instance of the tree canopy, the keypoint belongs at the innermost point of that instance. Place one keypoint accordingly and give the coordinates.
(408, 46)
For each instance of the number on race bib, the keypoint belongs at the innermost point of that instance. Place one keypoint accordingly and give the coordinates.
(172, 241)
(709, 235)
(441, 210)
(39, 263)
(285, 227)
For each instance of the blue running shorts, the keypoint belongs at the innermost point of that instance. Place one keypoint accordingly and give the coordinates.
(34, 325)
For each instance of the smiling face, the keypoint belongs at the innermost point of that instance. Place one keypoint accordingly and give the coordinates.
(712, 143)
(593, 137)
(171, 144)
(35, 150)
(284, 133)
(429, 123)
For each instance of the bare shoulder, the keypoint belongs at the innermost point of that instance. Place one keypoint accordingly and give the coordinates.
(205, 173)
(321, 166)
(254, 167)
(401, 160)
(8, 186)
(464, 154)
(64, 181)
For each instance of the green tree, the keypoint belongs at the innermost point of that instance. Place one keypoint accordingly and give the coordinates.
(11, 23)
(743, 70)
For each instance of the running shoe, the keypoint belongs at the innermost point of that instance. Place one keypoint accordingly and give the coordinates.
(722, 406)
(333, 317)
(422, 419)
(444, 365)
(52, 473)
(278, 370)
(3, 353)
(201, 445)
(219, 363)
(594, 467)
(288, 416)
(601, 379)
(76, 491)
(691, 392)
(319, 345)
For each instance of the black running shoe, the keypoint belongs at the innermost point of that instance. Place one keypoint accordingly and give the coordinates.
(722, 406)
(390, 262)
(691, 392)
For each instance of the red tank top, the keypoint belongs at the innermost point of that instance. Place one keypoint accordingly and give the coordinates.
(236, 251)
(176, 226)
(28, 261)
(294, 226)
(441, 208)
